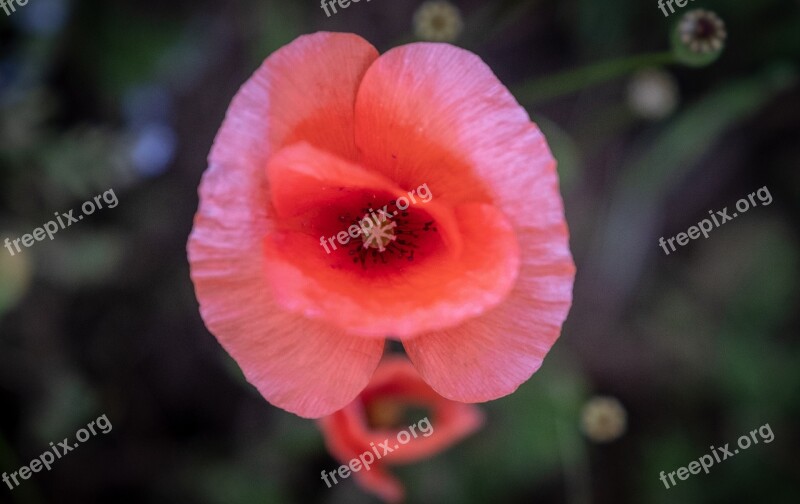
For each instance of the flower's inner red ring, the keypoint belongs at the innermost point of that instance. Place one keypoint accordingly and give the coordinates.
(388, 239)
(417, 283)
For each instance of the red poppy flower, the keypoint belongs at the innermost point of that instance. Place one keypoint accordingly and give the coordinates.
(379, 428)
(477, 280)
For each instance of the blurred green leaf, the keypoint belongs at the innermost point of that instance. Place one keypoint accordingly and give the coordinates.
(69, 404)
(124, 48)
(218, 482)
(83, 162)
(88, 258)
(654, 169)
(761, 303)
(276, 24)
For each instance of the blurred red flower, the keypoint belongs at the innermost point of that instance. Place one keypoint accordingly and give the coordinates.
(386, 410)
(479, 279)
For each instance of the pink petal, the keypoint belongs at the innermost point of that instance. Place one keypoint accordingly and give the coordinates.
(305, 367)
(491, 356)
(439, 113)
(436, 114)
(305, 91)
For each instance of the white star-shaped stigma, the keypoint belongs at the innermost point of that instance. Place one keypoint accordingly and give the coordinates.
(379, 236)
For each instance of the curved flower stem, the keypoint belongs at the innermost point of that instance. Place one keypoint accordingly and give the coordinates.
(570, 81)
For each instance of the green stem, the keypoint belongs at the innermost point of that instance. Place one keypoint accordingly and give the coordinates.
(577, 79)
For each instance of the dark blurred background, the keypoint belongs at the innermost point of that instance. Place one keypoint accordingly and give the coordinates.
(699, 347)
